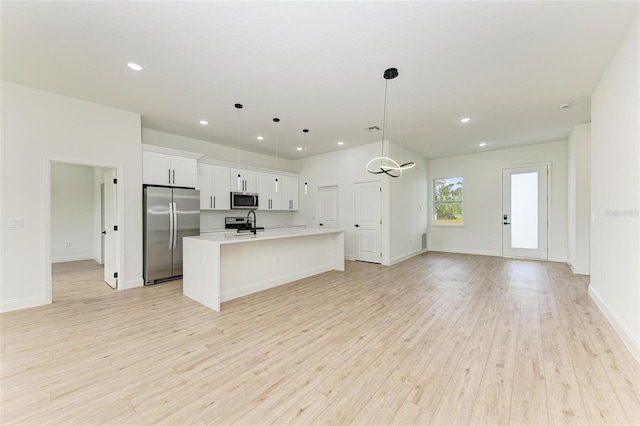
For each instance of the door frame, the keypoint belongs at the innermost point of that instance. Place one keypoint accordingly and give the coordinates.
(46, 255)
(549, 198)
(382, 240)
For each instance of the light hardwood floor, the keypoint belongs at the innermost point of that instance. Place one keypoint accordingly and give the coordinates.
(438, 339)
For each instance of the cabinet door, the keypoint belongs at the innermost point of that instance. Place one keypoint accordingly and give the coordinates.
(269, 190)
(156, 168)
(243, 180)
(205, 186)
(184, 172)
(250, 181)
(221, 190)
(289, 193)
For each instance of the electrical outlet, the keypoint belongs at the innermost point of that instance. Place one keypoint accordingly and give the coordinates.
(68, 244)
(277, 259)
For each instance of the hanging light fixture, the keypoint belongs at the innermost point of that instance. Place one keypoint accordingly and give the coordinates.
(306, 151)
(239, 136)
(277, 120)
(382, 164)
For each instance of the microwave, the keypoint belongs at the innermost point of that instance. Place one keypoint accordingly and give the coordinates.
(244, 200)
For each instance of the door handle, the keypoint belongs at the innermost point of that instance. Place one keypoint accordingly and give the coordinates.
(175, 225)
(214, 202)
(356, 225)
(170, 226)
(104, 232)
(174, 176)
(321, 224)
(211, 201)
(506, 223)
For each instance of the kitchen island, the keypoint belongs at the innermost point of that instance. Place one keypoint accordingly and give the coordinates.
(222, 267)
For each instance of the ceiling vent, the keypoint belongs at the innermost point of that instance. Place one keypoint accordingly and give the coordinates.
(373, 129)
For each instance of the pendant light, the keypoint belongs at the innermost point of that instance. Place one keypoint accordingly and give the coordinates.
(382, 164)
(306, 151)
(277, 120)
(239, 136)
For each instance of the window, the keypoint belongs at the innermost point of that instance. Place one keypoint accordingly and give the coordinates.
(447, 201)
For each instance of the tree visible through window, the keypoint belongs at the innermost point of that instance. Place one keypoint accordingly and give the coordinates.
(447, 201)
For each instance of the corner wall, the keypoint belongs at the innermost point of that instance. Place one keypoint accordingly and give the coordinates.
(579, 198)
(38, 126)
(482, 208)
(615, 192)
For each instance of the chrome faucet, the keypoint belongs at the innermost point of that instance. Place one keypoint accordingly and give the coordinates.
(254, 228)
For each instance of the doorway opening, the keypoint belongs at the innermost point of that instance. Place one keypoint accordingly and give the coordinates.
(82, 245)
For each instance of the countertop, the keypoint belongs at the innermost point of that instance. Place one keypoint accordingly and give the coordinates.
(269, 234)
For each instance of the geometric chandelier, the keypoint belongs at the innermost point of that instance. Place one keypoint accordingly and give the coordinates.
(382, 164)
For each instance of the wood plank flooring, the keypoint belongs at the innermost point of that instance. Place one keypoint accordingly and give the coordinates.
(438, 339)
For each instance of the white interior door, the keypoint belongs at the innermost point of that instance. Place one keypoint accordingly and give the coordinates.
(524, 219)
(368, 246)
(327, 214)
(110, 234)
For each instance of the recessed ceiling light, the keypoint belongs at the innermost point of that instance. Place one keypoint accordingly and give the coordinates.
(259, 138)
(465, 120)
(134, 66)
(204, 122)
(567, 105)
(340, 143)
(481, 144)
(299, 148)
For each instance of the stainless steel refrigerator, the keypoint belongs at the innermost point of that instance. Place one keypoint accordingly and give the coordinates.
(169, 215)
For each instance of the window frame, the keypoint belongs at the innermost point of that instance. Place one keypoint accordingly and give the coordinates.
(434, 203)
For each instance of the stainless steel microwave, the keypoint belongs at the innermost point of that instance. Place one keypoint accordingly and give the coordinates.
(244, 200)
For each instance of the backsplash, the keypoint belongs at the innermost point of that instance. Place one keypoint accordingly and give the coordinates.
(211, 220)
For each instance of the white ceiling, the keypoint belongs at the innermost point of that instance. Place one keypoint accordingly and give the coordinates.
(318, 65)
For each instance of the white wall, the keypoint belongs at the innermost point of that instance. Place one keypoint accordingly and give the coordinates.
(579, 198)
(615, 192)
(407, 207)
(342, 168)
(72, 212)
(402, 221)
(217, 152)
(482, 209)
(38, 126)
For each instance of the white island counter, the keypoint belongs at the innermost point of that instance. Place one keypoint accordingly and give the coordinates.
(221, 267)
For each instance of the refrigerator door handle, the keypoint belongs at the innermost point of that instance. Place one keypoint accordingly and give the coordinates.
(175, 226)
(170, 226)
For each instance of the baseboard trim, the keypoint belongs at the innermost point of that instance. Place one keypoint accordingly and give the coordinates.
(27, 302)
(133, 284)
(618, 326)
(71, 258)
(465, 251)
(406, 256)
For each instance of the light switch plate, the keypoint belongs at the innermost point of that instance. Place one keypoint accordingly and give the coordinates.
(16, 223)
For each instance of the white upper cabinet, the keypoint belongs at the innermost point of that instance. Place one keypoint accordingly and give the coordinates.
(243, 180)
(270, 191)
(169, 170)
(213, 183)
(289, 193)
